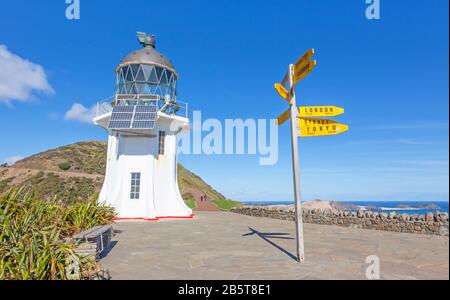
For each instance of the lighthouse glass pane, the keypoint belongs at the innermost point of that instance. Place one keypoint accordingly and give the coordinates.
(147, 71)
(146, 79)
(153, 77)
(128, 76)
(163, 79)
(134, 70)
(140, 75)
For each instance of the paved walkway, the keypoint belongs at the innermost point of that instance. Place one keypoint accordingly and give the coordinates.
(221, 245)
(202, 202)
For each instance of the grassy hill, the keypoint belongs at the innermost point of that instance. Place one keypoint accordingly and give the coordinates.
(75, 173)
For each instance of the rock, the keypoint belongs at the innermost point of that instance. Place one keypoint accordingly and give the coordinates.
(429, 216)
(392, 215)
(431, 223)
(443, 230)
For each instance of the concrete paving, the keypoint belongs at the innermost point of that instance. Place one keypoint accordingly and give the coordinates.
(221, 245)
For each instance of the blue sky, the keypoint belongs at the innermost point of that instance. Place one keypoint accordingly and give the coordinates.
(391, 76)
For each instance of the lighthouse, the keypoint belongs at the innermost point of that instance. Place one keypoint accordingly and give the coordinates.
(143, 123)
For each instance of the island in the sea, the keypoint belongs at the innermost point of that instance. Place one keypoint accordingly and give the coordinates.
(338, 205)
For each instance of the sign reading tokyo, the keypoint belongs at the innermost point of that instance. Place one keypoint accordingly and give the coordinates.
(321, 130)
(320, 111)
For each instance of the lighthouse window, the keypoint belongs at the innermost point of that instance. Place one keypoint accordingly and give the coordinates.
(162, 141)
(135, 185)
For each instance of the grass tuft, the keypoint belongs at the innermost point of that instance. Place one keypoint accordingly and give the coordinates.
(34, 235)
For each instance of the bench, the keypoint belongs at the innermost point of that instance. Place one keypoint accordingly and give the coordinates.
(93, 241)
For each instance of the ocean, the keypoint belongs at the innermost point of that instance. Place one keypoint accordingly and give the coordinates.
(443, 206)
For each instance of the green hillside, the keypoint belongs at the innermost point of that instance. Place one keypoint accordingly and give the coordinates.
(75, 173)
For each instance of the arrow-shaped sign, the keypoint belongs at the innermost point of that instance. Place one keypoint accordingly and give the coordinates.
(305, 112)
(320, 130)
(283, 92)
(320, 111)
(302, 122)
(284, 117)
(301, 73)
(303, 60)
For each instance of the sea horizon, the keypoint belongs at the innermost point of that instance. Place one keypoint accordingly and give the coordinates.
(443, 205)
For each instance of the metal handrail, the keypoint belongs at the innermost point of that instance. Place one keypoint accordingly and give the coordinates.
(180, 108)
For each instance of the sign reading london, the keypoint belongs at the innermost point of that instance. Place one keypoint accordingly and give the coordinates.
(312, 111)
(320, 111)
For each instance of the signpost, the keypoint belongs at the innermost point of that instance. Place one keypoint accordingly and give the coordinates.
(284, 117)
(304, 123)
(295, 168)
(302, 72)
(283, 92)
(321, 130)
(304, 59)
(320, 111)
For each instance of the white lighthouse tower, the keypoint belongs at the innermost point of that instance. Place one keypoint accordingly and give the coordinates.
(143, 123)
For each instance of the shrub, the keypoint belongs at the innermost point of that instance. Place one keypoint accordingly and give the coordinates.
(34, 235)
(65, 166)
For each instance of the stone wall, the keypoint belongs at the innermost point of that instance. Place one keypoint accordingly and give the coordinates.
(431, 223)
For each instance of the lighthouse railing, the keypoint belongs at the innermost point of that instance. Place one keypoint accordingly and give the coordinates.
(178, 108)
(103, 108)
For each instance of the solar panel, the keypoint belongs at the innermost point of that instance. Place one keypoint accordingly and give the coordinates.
(121, 116)
(144, 124)
(147, 108)
(144, 116)
(119, 124)
(133, 117)
(123, 109)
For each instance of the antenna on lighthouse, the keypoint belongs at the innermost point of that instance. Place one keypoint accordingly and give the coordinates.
(146, 40)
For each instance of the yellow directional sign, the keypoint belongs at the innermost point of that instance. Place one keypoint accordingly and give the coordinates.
(320, 111)
(320, 130)
(302, 122)
(284, 117)
(301, 73)
(283, 92)
(303, 60)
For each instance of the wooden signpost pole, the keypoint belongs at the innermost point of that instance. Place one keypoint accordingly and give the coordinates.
(304, 122)
(295, 166)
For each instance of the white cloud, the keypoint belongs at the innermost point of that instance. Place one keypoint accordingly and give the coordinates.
(413, 126)
(426, 163)
(19, 78)
(12, 160)
(78, 112)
